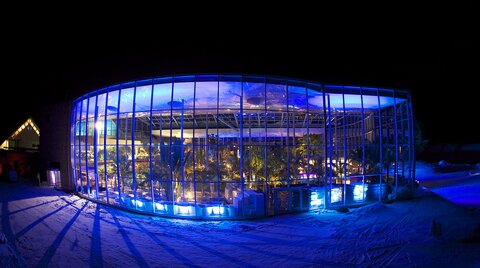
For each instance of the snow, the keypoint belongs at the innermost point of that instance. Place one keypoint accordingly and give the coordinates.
(460, 187)
(45, 227)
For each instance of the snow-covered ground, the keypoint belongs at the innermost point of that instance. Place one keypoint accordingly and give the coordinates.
(461, 187)
(49, 228)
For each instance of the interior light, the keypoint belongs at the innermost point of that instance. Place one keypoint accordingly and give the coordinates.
(99, 125)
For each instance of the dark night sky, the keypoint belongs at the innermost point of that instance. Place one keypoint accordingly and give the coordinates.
(435, 60)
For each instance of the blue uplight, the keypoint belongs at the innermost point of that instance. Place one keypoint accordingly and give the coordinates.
(214, 211)
(160, 207)
(315, 200)
(336, 195)
(358, 192)
(184, 209)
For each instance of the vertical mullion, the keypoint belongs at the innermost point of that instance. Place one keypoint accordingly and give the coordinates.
(217, 141)
(182, 149)
(412, 139)
(344, 150)
(325, 141)
(308, 135)
(265, 144)
(381, 145)
(152, 193)
(402, 130)
(206, 148)
(194, 160)
(331, 147)
(105, 155)
(170, 143)
(161, 147)
(95, 145)
(409, 142)
(396, 141)
(74, 166)
(287, 144)
(242, 179)
(134, 174)
(117, 149)
(86, 147)
(80, 148)
(363, 146)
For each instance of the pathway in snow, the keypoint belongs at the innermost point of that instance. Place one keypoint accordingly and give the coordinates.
(55, 229)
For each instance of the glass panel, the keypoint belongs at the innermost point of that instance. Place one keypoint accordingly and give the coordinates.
(184, 192)
(388, 144)
(125, 166)
(126, 100)
(276, 97)
(78, 136)
(297, 99)
(162, 96)
(370, 102)
(112, 102)
(208, 193)
(253, 127)
(253, 96)
(315, 98)
(100, 154)
(112, 110)
(229, 95)
(299, 166)
(229, 163)
(254, 163)
(276, 161)
(317, 164)
(163, 192)
(142, 174)
(92, 105)
(108, 161)
(142, 98)
(91, 169)
(182, 96)
(161, 158)
(206, 95)
(101, 104)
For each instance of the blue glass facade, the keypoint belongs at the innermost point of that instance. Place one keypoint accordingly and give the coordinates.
(234, 146)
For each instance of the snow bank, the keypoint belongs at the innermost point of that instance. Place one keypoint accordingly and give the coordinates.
(372, 208)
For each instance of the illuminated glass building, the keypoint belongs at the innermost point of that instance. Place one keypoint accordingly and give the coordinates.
(233, 146)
